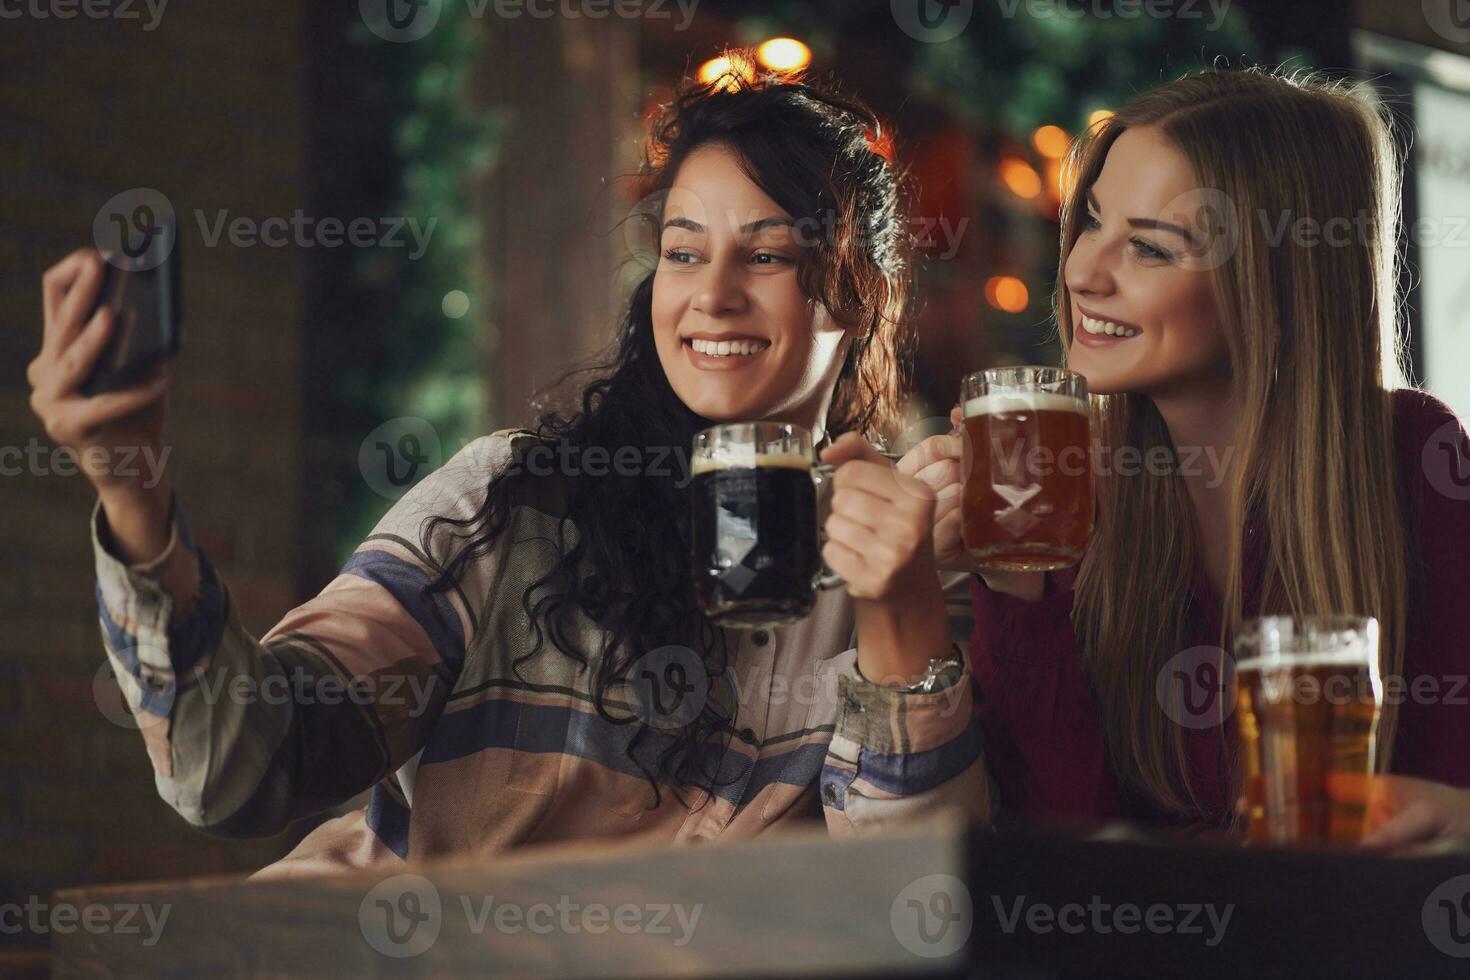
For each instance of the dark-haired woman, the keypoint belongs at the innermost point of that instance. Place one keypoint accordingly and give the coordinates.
(486, 631)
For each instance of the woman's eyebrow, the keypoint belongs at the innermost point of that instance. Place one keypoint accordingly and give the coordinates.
(689, 224)
(771, 222)
(1148, 223)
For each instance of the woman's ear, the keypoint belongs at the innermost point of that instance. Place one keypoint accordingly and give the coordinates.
(823, 320)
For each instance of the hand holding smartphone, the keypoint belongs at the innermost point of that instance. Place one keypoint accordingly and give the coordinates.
(141, 286)
(99, 384)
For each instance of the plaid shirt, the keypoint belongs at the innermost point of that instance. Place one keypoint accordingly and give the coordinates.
(372, 684)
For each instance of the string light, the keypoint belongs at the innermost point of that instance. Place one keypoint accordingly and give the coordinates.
(456, 303)
(784, 54)
(1007, 293)
(1020, 177)
(727, 70)
(1050, 141)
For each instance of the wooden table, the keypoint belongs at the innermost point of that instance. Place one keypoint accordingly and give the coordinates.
(933, 900)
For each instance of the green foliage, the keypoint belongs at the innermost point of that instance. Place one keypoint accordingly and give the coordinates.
(433, 364)
(1017, 73)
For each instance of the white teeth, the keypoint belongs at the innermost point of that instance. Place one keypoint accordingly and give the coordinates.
(726, 348)
(1107, 327)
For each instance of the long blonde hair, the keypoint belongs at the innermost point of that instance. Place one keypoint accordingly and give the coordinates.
(1314, 353)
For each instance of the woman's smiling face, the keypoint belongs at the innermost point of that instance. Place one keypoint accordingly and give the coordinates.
(738, 338)
(1142, 268)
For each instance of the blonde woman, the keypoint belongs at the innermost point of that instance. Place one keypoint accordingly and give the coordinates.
(1228, 289)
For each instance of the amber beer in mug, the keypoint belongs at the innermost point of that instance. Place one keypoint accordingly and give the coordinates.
(1308, 693)
(1027, 503)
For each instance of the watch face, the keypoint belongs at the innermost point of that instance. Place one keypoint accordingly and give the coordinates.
(940, 673)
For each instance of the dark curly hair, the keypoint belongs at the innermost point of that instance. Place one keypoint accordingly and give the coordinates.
(813, 152)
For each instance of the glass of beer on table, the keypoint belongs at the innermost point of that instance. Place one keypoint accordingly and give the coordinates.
(1027, 503)
(1308, 694)
(756, 528)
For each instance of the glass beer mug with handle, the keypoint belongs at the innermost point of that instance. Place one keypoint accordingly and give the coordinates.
(1309, 694)
(1027, 503)
(756, 528)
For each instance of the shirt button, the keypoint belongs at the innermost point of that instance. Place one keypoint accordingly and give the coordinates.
(760, 638)
(747, 735)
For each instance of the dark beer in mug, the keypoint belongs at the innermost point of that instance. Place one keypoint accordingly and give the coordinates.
(755, 530)
(1309, 696)
(1027, 503)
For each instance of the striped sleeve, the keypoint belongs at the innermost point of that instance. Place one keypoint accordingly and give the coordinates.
(895, 755)
(247, 734)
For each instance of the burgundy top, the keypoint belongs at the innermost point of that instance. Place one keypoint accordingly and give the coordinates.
(1043, 739)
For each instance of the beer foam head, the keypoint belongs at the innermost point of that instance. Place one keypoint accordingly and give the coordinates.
(746, 459)
(1346, 657)
(1023, 401)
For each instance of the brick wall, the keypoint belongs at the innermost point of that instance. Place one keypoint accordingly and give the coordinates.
(208, 108)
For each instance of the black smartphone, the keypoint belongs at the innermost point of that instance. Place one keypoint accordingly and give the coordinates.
(141, 284)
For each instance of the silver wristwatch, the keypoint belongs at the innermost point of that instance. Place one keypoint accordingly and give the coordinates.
(941, 673)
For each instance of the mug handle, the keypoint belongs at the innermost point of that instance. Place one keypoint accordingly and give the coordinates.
(825, 578)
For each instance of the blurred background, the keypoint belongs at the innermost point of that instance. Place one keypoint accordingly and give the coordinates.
(450, 180)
